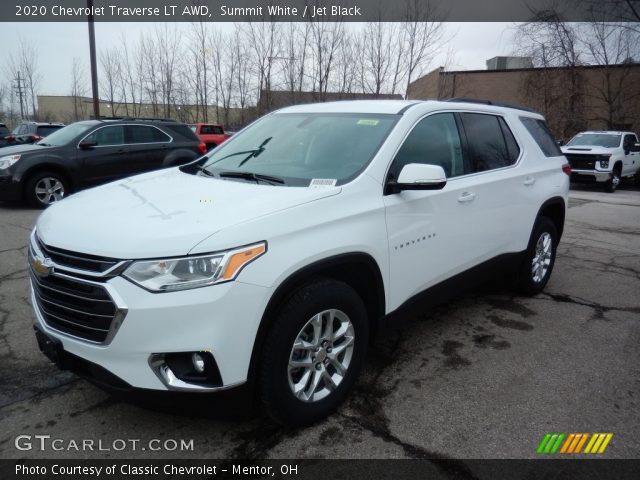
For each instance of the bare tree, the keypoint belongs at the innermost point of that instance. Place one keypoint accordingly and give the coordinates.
(265, 41)
(23, 64)
(111, 70)
(378, 39)
(325, 42)
(423, 37)
(78, 90)
(613, 47)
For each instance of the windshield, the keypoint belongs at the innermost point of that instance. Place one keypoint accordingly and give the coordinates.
(302, 147)
(64, 135)
(607, 140)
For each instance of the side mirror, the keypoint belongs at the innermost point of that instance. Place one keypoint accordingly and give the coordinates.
(419, 176)
(560, 143)
(87, 144)
(635, 147)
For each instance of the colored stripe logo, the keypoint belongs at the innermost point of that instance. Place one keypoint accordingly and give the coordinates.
(571, 443)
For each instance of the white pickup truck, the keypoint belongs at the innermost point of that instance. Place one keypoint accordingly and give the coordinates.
(604, 156)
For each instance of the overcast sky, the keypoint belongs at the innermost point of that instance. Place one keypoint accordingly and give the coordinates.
(59, 43)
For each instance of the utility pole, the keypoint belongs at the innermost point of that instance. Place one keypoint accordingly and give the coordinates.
(92, 56)
(21, 93)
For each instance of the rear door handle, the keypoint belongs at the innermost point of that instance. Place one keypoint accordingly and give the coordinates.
(529, 181)
(466, 197)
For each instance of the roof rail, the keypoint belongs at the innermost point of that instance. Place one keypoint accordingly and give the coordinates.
(137, 119)
(488, 102)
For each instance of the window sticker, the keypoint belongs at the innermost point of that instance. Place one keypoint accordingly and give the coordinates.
(368, 121)
(323, 182)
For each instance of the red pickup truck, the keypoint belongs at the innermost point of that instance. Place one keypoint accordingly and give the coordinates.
(212, 134)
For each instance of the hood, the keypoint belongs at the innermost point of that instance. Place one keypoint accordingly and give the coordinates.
(587, 149)
(162, 213)
(15, 149)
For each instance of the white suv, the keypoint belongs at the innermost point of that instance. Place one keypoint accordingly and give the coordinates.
(605, 157)
(271, 260)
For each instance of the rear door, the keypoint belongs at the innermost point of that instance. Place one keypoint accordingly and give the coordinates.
(148, 147)
(107, 160)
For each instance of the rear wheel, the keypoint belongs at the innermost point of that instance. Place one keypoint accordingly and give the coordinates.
(313, 352)
(539, 258)
(45, 188)
(611, 185)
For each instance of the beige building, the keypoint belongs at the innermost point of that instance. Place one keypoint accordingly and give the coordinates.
(572, 99)
(69, 109)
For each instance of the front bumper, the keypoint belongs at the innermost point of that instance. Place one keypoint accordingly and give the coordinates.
(10, 190)
(222, 319)
(589, 176)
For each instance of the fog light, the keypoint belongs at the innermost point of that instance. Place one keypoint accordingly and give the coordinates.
(198, 362)
(604, 163)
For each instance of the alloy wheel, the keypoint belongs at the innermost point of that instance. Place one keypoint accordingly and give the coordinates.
(49, 190)
(542, 257)
(321, 355)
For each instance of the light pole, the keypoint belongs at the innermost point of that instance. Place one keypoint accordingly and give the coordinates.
(92, 56)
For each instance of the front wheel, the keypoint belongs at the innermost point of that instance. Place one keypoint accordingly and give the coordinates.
(313, 352)
(539, 258)
(611, 185)
(45, 188)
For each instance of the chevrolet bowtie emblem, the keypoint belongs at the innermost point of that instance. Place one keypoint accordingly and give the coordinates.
(43, 267)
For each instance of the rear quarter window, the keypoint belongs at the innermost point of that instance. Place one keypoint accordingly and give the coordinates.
(184, 131)
(543, 137)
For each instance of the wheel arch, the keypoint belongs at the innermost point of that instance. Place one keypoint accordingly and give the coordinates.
(358, 270)
(555, 210)
(46, 167)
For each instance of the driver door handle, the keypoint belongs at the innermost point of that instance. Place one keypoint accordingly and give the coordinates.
(466, 197)
(529, 181)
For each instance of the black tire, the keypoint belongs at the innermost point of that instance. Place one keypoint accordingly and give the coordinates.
(37, 181)
(611, 185)
(276, 394)
(528, 281)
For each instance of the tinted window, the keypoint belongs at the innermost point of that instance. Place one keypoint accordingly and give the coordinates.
(45, 130)
(107, 136)
(435, 141)
(4, 130)
(513, 150)
(182, 130)
(541, 134)
(211, 130)
(629, 141)
(145, 134)
(487, 145)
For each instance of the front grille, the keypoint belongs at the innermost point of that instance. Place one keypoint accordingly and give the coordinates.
(74, 307)
(80, 261)
(583, 162)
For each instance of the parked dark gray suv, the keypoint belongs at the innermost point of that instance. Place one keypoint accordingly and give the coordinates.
(92, 152)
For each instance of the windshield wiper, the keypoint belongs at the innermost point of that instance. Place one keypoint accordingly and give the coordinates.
(204, 171)
(250, 153)
(44, 144)
(256, 177)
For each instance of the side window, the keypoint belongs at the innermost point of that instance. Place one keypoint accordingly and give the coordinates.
(145, 134)
(435, 141)
(629, 141)
(489, 147)
(107, 136)
(541, 134)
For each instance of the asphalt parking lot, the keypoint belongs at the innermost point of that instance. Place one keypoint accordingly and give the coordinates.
(483, 376)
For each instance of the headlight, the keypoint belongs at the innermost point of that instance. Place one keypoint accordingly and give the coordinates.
(172, 274)
(8, 160)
